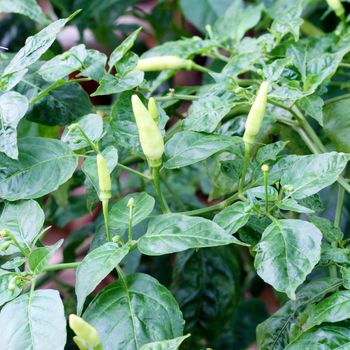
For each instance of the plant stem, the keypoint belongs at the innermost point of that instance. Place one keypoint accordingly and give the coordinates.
(247, 155)
(105, 217)
(215, 207)
(156, 183)
(266, 184)
(133, 171)
(64, 266)
(131, 213)
(337, 98)
(90, 143)
(200, 68)
(171, 97)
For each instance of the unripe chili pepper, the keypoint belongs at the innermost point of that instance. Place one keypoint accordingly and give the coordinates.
(152, 109)
(84, 331)
(80, 343)
(149, 134)
(337, 7)
(12, 284)
(256, 114)
(150, 64)
(104, 178)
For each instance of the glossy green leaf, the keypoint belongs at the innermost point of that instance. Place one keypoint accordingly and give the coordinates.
(24, 220)
(337, 124)
(310, 174)
(270, 152)
(110, 84)
(331, 233)
(95, 267)
(206, 12)
(123, 48)
(94, 65)
(28, 8)
(273, 334)
(119, 213)
(188, 147)
(33, 322)
(206, 113)
(62, 65)
(34, 47)
(206, 283)
(91, 124)
(42, 166)
(312, 106)
(233, 217)
(13, 107)
(39, 258)
(323, 338)
(61, 106)
(345, 273)
(292, 205)
(333, 309)
(287, 253)
(172, 344)
(121, 310)
(236, 21)
(5, 293)
(90, 165)
(172, 233)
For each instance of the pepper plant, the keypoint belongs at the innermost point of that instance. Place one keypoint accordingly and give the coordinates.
(201, 195)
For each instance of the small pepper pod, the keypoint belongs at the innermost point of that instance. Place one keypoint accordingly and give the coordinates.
(104, 178)
(158, 63)
(150, 136)
(337, 7)
(86, 335)
(256, 114)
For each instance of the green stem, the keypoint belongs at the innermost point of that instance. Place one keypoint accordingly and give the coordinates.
(171, 97)
(133, 171)
(90, 143)
(64, 266)
(156, 183)
(105, 217)
(344, 65)
(337, 98)
(131, 213)
(266, 184)
(200, 68)
(15, 242)
(215, 207)
(55, 85)
(247, 155)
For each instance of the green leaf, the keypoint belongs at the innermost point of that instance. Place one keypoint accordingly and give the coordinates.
(13, 107)
(205, 12)
(39, 258)
(345, 273)
(33, 49)
(61, 106)
(24, 220)
(28, 8)
(5, 293)
(62, 65)
(310, 174)
(119, 213)
(94, 63)
(123, 48)
(95, 267)
(90, 165)
(173, 233)
(236, 21)
(92, 125)
(206, 284)
(326, 338)
(233, 217)
(273, 334)
(292, 205)
(188, 147)
(334, 308)
(206, 113)
(43, 165)
(337, 124)
(270, 152)
(331, 233)
(121, 310)
(172, 344)
(33, 322)
(312, 106)
(110, 84)
(287, 253)
(184, 48)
